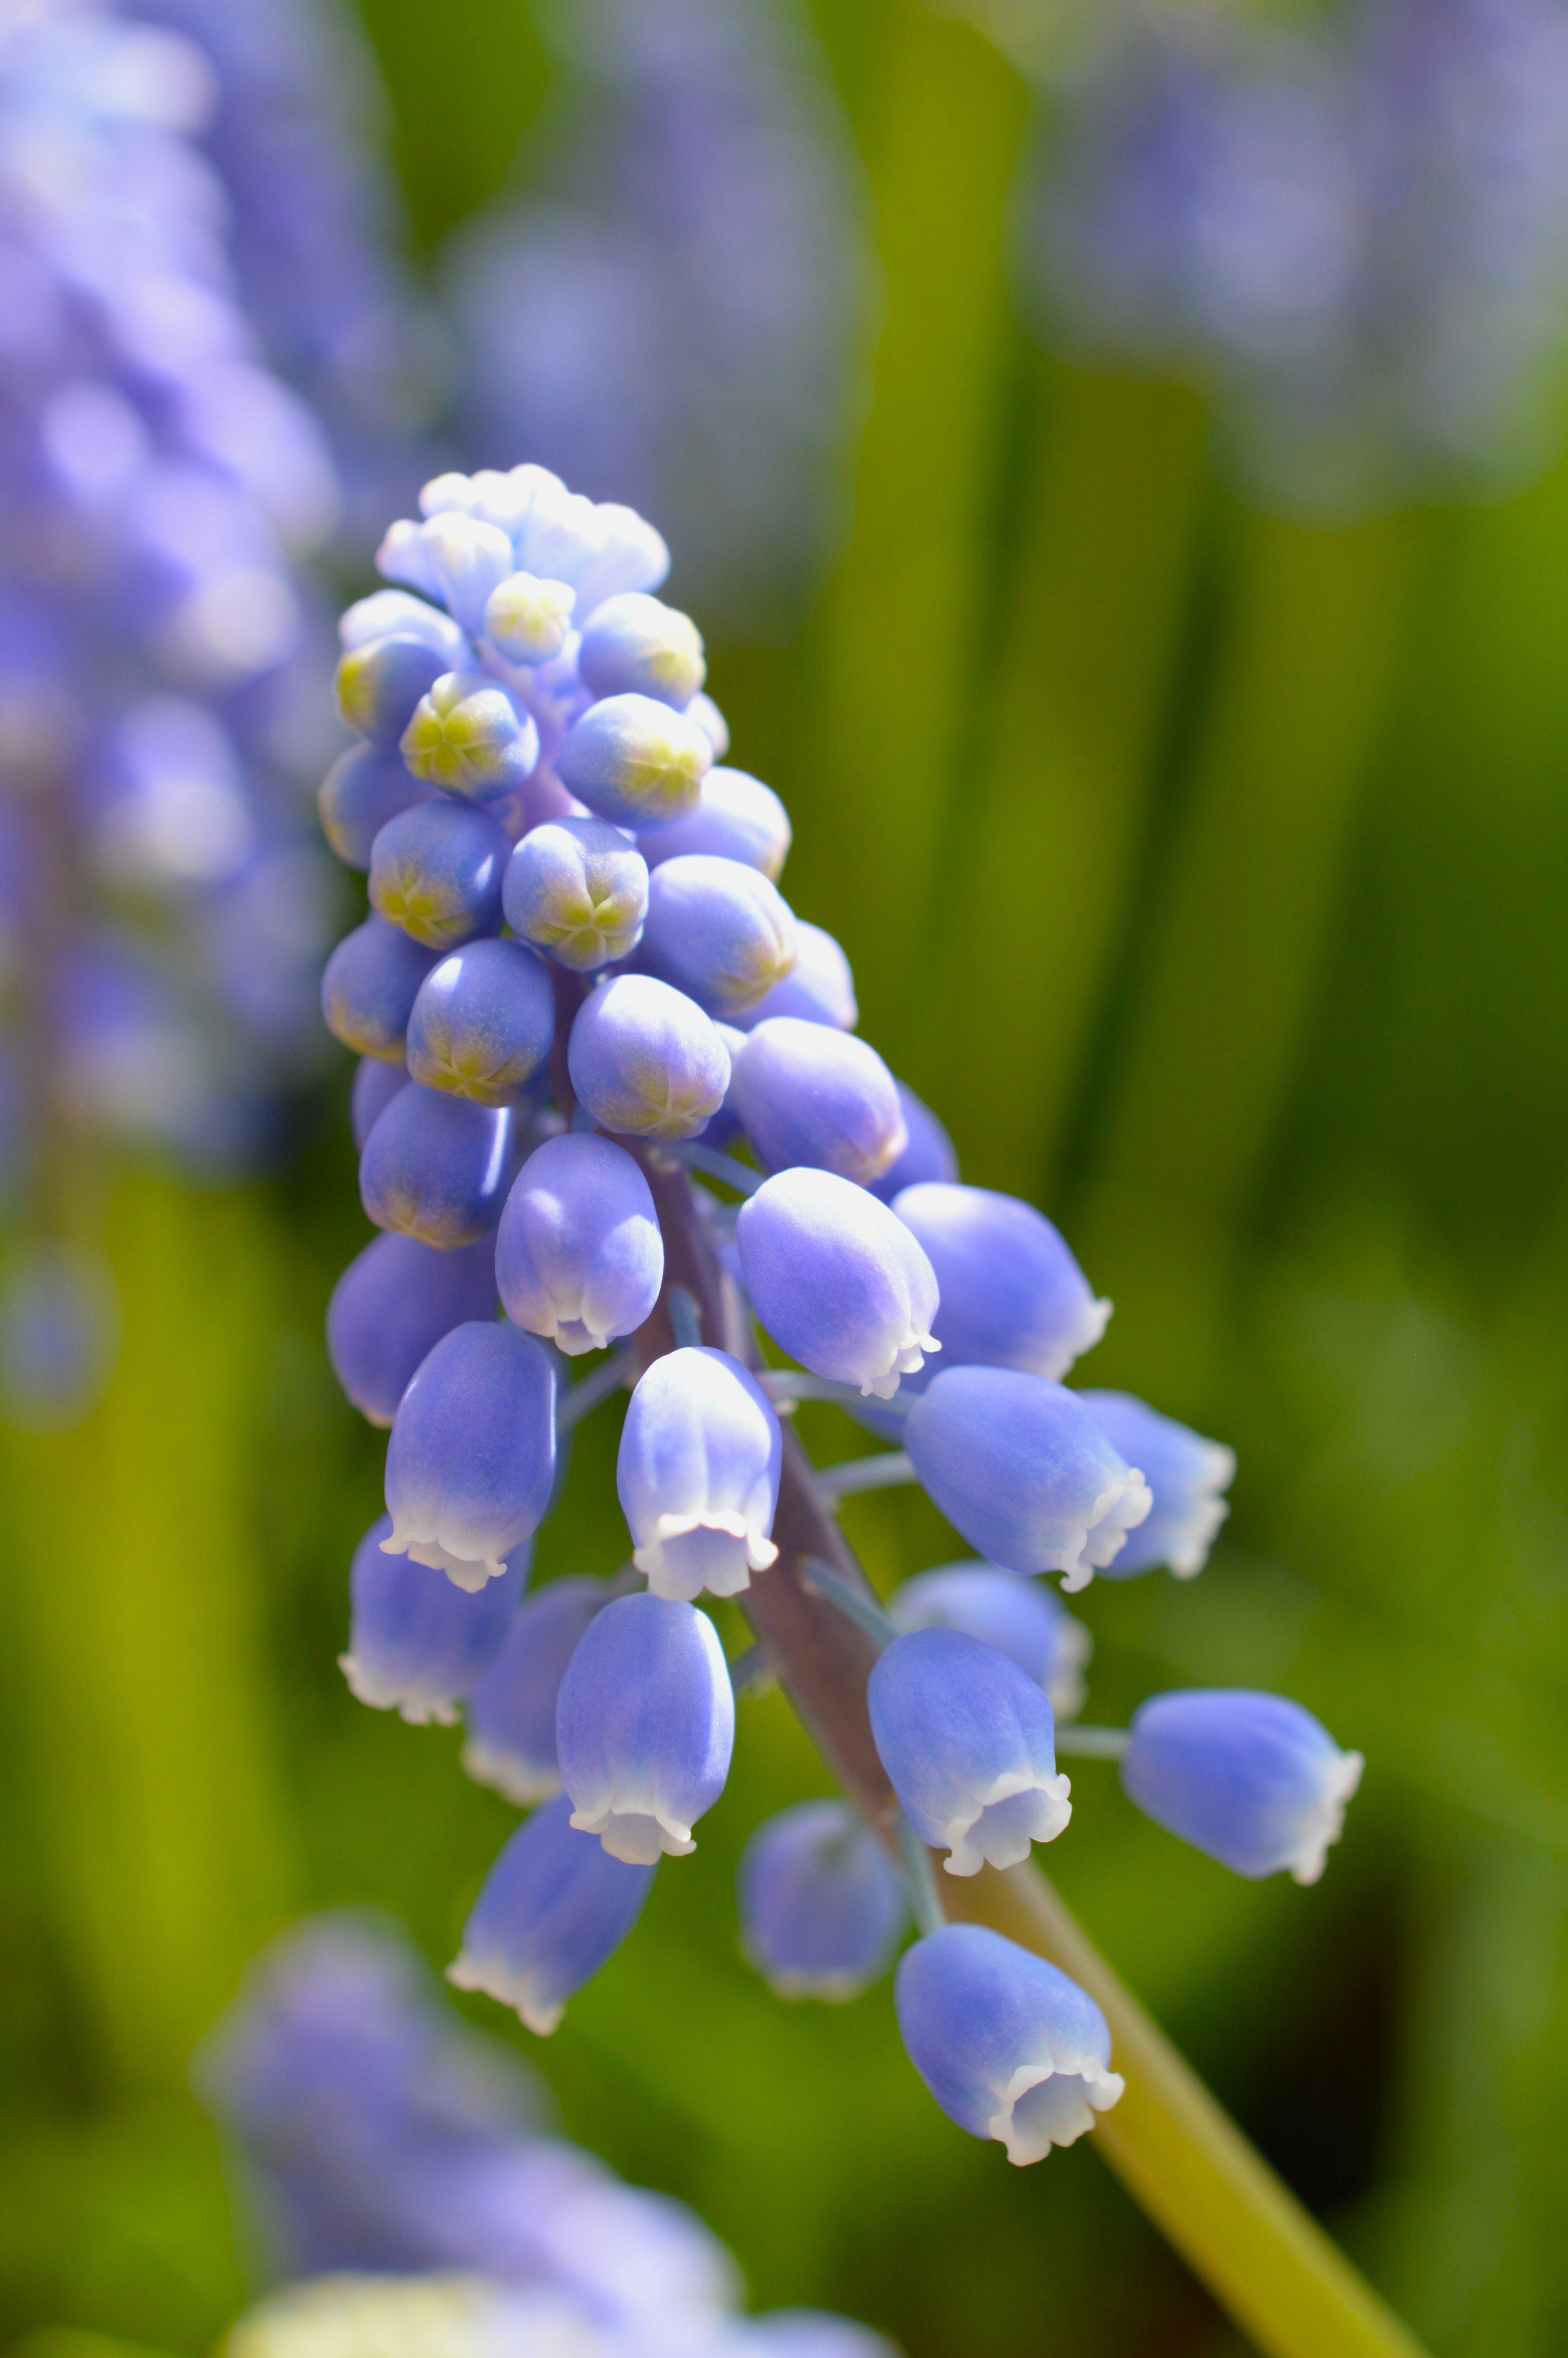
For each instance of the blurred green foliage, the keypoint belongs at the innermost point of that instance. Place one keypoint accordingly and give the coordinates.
(1207, 871)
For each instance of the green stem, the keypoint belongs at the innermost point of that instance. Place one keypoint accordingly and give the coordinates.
(1238, 2228)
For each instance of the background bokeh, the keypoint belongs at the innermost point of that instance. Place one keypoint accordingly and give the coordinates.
(1202, 860)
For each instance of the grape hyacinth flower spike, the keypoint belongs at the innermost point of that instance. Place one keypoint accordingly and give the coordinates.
(608, 1074)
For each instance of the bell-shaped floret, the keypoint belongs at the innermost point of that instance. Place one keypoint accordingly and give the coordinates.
(718, 930)
(467, 737)
(818, 989)
(644, 1727)
(388, 611)
(368, 991)
(364, 788)
(381, 684)
(391, 1307)
(511, 1712)
(577, 890)
(1021, 1618)
(809, 1094)
(579, 1257)
(646, 1060)
(435, 870)
(1187, 1475)
(417, 1644)
(699, 1474)
(483, 1025)
(468, 559)
(634, 644)
(438, 1167)
(930, 1154)
(1253, 1780)
(473, 1455)
(1010, 2048)
(554, 1907)
(1012, 1295)
(1022, 1468)
(838, 1282)
(822, 1905)
(633, 761)
(970, 1743)
(528, 621)
(737, 817)
(374, 1086)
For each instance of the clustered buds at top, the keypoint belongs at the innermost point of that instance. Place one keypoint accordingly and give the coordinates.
(837, 1279)
(699, 1474)
(578, 1255)
(636, 645)
(644, 1727)
(1010, 2048)
(631, 759)
(472, 1454)
(1187, 1475)
(528, 621)
(435, 870)
(718, 931)
(822, 1905)
(1021, 1618)
(1012, 1295)
(1254, 1780)
(970, 1744)
(808, 1093)
(646, 1060)
(1022, 1468)
(483, 1025)
(818, 989)
(577, 890)
(736, 818)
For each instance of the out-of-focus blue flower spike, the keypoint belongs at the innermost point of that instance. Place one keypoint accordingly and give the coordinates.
(363, 789)
(579, 1257)
(467, 737)
(380, 684)
(388, 611)
(1012, 1295)
(511, 1712)
(1010, 2048)
(699, 1474)
(628, 554)
(403, 558)
(528, 621)
(818, 989)
(634, 761)
(646, 1060)
(554, 1907)
(437, 1167)
(718, 931)
(644, 1727)
(368, 989)
(713, 725)
(808, 1095)
(838, 1281)
(970, 1743)
(1253, 1780)
(578, 891)
(636, 645)
(391, 1307)
(468, 560)
(374, 1086)
(1024, 1472)
(450, 493)
(437, 870)
(805, 2333)
(472, 1455)
(417, 1644)
(737, 817)
(1021, 1618)
(1187, 1475)
(822, 1905)
(483, 1025)
(930, 1154)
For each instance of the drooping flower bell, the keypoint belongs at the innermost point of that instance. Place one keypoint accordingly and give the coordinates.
(1187, 1476)
(1254, 1780)
(822, 1905)
(970, 1743)
(699, 1475)
(838, 1280)
(472, 1454)
(644, 1727)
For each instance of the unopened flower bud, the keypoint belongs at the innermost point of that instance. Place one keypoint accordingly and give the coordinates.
(736, 818)
(467, 737)
(363, 789)
(374, 1086)
(1010, 2048)
(818, 989)
(482, 1023)
(699, 1474)
(435, 870)
(644, 1727)
(388, 611)
(634, 644)
(634, 761)
(1253, 1780)
(646, 1060)
(577, 890)
(437, 1167)
(380, 684)
(1023, 1618)
(527, 620)
(393, 1304)
(472, 1455)
(579, 1257)
(1022, 1468)
(368, 991)
(809, 1094)
(467, 559)
(838, 1281)
(718, 931)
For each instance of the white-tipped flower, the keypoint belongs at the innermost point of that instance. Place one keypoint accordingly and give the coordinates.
(838, 1281)
(644, 1727)
(578, 1256)
(970, 1744)
(699, 1475)
(1188, 1476)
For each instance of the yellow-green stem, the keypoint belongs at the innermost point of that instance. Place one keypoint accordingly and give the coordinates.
(1235, 2224)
